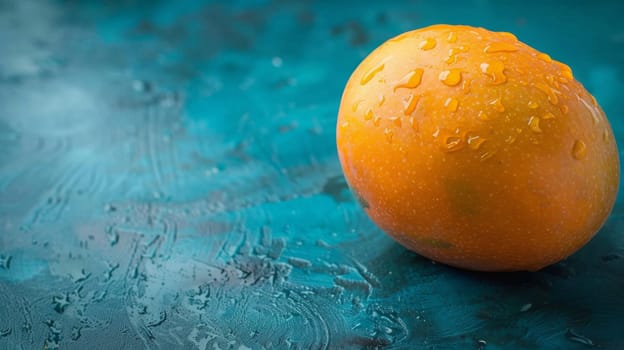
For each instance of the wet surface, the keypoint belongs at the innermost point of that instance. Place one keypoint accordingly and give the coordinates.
(168, 179)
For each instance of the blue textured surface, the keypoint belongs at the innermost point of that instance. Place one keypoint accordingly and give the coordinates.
(168, 179)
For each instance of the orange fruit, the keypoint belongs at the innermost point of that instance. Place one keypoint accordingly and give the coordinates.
(475, 150)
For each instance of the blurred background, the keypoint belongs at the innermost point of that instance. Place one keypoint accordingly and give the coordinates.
(169, 179)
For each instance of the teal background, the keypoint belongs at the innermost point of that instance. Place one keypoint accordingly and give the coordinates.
(169, 179)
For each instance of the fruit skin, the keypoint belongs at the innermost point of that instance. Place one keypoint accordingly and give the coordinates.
(513, 166)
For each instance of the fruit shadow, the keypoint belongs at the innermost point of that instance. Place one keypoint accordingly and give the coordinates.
(576, 300)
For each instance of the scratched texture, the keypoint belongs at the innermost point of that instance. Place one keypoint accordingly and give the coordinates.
(168, 179)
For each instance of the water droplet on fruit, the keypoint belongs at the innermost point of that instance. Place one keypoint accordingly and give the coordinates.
(551, 80)
(409, 105)
(466, 86)
(565, 71)
(382, 99)
(452, 143)
(500, 47)
(591, 109)
(532, 104)
(550, 92)
(579, 150)
(508, 35)
(511, 139)
(427, 44)
(483, 116)
(563, 80)
(487, 155)
(344, 125)
(450, 77)
(368, 115)
(544, 57)
(389, 134)
(436, 133)
(564, 109)
(414, 123)
(534, 124)
(411, 79)
(494, 70)
(371, 74)
(376, 120)
(451, 104)
(396, 121)
(452, 54)
(605, 135)
(497, 104)
(451, 38)
(355, 105)
(548, 115)
(475, 142)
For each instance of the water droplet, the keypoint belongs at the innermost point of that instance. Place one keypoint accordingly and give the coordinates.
(579, 150)
(141, 86)
(483, 116)
(355, 105)
(466, 86)
(382, 99)
(494, 70)
(544, 57)
(112, 235)
(605, 135)
(508, 35)
(593, 100)
(371, 74)
(564, 109)
(5, 261)
(414, 123)
(565, 71)
(451, 104)
(591, 109)
(389, 134)
(344, 125)
(487, 155)
(563, 80)
(500, 47)
(532, 104)
(427, 44)
(436, 133)
(511, 139)
(578, 338)
(451, 38)
(452, 143)
(396, 121)
(376, 120)
(534, 124)
(368, 115)
(551, 80)
(409, 105)
(75, 333)
(61, 302)
(497, 104)
(550, 92)
(452, 54)
(548, 115)
(475, 142)
(450, 77)
(411, 79)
